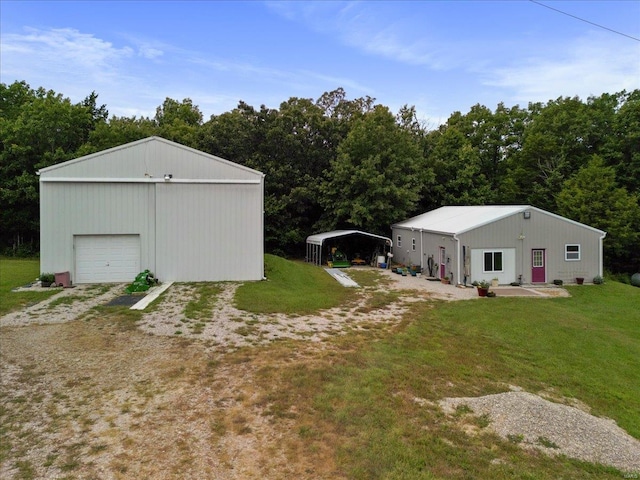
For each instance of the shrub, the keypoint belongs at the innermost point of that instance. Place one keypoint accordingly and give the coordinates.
(47, 277)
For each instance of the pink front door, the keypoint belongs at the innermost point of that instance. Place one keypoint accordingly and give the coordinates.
(443, 265)
(538, 266)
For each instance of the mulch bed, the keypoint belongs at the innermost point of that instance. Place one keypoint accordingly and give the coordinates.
(124, 301)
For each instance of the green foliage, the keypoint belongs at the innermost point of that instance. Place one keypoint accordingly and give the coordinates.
(17, 273)
(592, 197)
(375, 178)
(47, 277)
(292, 288)
(38, 128)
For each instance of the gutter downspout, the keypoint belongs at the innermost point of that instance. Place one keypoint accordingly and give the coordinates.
(421, 253)
(600, 272)
(458, 253)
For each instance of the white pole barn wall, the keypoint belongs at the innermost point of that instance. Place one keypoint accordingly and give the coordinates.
(152, 204)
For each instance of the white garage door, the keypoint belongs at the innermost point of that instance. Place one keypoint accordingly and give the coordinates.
(107, 258)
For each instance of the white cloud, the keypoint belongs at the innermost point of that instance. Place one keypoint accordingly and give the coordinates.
(59, 50)
(589, 66)
(149, 52)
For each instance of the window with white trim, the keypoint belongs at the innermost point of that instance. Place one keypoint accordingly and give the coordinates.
(492, 261)
(572, 252)
(399, 241)
(413, 244)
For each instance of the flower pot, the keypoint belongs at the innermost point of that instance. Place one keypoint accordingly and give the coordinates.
(579, 280)
(445, 281)
(482, 292)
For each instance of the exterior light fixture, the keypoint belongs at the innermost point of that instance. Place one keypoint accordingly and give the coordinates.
(167, 177)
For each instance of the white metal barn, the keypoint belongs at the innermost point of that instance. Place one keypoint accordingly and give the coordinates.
(152, 204)
(507, 242)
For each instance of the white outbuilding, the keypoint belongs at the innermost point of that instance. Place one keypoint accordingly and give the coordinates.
(508, 243)
(152, 204)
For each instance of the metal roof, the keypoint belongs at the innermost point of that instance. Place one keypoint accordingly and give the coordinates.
(319, 238)
(454, 220)
(459, 219)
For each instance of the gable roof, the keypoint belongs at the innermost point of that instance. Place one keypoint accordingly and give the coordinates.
(319, 238)
(149, 158)
(454, 220)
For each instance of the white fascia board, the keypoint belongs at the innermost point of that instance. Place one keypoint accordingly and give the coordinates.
(150, 180)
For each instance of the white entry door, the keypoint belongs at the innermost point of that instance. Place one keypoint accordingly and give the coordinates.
(106, 258)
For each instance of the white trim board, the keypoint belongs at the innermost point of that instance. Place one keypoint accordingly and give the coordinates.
(151, 295)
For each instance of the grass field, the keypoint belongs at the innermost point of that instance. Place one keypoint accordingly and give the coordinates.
(292, 288)
(585, 348)
(362, 403)
(15, 272)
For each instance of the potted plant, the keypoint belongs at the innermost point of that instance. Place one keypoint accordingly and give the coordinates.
(482, 286)
(46, 279)
(579, 280)
(445, 280)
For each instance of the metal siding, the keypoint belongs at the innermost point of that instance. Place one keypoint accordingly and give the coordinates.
(151, 157)
(540, 231)
(209, 232)
(188, 231)
(427, 244)
(68, 209)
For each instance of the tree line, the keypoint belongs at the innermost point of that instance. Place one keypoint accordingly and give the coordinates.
(335, 162)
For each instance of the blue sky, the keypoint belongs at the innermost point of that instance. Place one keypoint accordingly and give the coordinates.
(441, 56)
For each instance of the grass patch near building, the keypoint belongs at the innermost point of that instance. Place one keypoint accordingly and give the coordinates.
(15, 272)
(292, 287)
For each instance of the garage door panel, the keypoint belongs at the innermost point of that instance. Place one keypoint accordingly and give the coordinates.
(106, 258)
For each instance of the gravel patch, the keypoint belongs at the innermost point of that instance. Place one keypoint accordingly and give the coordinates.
(556, 429)
(65, 306)
(230, 328)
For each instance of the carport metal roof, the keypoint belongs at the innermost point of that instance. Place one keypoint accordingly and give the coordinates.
(315, 242)
(319, 238)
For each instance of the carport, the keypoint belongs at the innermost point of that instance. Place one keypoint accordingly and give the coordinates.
(353, 241)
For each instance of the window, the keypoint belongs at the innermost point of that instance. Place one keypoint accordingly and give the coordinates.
(399, 242)
(572, 252)
(493, 261)
(413, 244)
(538, 258)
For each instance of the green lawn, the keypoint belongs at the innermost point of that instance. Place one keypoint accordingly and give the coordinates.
(16, 272)
(292, 288)
(584, 347)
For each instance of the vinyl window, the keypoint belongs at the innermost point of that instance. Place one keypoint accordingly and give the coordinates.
(493, 261)
(413, 244)
(572, 252)
(399, 241)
